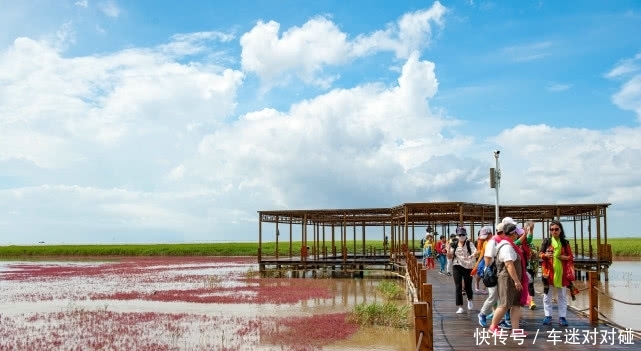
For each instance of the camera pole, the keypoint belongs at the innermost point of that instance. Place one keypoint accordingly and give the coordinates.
(497, 181)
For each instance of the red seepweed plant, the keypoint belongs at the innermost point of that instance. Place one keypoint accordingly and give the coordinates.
(159, 280)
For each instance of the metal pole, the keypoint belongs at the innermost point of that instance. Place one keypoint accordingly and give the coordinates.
(497, 182)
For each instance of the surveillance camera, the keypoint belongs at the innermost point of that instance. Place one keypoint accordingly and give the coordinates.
(496, 152)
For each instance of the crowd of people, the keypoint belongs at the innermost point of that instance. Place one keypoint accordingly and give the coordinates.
(517, 264)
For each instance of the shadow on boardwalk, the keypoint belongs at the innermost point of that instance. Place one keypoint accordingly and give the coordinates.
(462, 332)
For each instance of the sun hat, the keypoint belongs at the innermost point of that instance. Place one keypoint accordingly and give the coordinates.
(461, 231)
(507, 220)
(484, 232)
(499, 227)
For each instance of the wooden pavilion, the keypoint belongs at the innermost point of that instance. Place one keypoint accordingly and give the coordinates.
(320, 238)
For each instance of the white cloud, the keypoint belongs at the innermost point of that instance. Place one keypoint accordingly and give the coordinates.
(82, 3)
(629, 96)
(146, 144)
(66, 105)
(626, 67)
(552, 165)
(528, 52)
(96, 133)
(302, 49)
(305, 50)
(177, 173)
(356, 140)
(194, 43)
(116, 213)
(110, 8)
(558, 87)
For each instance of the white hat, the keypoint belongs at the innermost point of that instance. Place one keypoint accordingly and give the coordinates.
(507, 220)
(499, 227)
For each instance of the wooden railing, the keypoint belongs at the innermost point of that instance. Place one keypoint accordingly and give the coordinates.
(593, 303)
(423, 327)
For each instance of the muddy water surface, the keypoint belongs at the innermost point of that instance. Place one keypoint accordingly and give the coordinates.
(182, 304)
(624, 284)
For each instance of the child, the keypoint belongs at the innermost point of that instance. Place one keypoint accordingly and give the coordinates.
(428, 252)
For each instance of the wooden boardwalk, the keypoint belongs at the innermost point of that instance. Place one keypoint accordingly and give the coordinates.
(462, 332)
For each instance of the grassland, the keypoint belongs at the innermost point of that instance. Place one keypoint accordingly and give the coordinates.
(621, 247)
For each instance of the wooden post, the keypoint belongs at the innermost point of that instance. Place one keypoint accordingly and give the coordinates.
(290, 237)
(429, 335)
(363, 234)
(260, 237)
(277, 235)
(420, 279)
(593, 302)
(421, 326)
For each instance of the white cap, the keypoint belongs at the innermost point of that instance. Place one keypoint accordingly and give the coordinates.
(507, 220)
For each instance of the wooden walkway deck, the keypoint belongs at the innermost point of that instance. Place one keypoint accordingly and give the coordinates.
(462, 332)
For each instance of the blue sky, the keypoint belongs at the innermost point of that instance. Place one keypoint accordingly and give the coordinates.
(153, 121)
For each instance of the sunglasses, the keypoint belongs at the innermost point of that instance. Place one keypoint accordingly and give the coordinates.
(555, 229)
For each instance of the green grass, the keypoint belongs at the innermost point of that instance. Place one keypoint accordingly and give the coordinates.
(630, 247)
(217, 249)
(200, 249)
(391, 290)
(388, 314)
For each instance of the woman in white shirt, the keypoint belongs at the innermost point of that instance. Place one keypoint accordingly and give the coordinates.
(511, 271)
(463, 256)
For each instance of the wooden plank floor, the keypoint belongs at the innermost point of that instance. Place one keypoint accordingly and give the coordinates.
(457, 331)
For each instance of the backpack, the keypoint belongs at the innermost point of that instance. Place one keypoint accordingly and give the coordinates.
(491, 275)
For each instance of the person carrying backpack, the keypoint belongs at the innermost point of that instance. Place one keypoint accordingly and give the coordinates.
(463, 255)
(477, 272)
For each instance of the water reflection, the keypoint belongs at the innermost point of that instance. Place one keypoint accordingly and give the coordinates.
(624, 284)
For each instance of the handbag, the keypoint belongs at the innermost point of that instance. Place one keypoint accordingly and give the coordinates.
(568, 270)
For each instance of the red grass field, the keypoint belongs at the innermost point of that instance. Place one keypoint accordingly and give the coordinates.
(163, 304)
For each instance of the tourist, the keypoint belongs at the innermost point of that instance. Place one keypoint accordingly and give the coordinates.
(555, 254)
(428, 252)
(488, 257)
(512, 278)
(531, 257)
(450, 242)
(441, 254)
(477, 272)
(463, 254)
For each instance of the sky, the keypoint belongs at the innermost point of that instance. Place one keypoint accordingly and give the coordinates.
(163, 121)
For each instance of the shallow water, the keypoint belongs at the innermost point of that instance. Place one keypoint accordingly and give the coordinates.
(624, 284)
(40, 299)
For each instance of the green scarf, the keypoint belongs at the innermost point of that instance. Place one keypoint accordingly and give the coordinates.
(557, 265)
